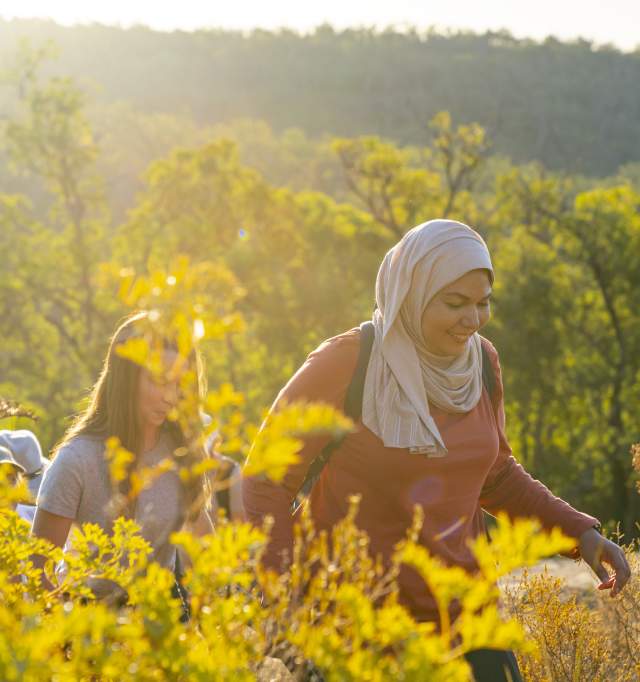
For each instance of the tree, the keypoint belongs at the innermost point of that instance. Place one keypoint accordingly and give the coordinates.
(569, 289)
(401, 187)
(306, 265)
(53, 262)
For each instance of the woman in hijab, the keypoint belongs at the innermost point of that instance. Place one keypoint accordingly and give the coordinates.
(430, 433)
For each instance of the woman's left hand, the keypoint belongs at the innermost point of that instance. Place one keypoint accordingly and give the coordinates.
(596, 549)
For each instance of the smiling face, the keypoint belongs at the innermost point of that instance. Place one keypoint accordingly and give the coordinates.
(456, 312)
(157, 398)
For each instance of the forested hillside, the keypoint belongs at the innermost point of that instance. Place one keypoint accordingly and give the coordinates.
(570, 106)
(242, 192)
(297, 230)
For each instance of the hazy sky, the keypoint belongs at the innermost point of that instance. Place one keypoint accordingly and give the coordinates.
(604, 21)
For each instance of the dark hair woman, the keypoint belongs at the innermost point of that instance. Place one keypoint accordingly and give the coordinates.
(430, 433)
(130, 403)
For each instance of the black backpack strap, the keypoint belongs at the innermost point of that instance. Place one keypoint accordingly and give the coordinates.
(352, 408)
(179, 591)
(353, 400)
(488, 374)
(177, 567)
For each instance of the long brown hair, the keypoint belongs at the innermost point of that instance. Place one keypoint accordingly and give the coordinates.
(113, 411)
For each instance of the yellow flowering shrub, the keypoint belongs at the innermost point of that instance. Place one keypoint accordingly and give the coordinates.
(336, 608)
(577, 635)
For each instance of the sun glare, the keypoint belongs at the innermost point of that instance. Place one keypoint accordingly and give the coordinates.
(615, 21)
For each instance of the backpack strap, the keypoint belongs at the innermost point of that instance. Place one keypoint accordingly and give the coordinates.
(352, 408)
(488, 374)
(355, 392)
(353, 401)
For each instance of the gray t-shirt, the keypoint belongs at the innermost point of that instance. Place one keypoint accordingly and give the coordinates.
(77, 486)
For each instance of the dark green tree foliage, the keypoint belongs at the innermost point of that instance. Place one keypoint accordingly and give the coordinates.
(568, 326)
(570, 105)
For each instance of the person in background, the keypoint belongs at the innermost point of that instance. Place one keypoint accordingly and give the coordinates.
(20, 450)
(430, 433)
(225, 480)
(128, 402)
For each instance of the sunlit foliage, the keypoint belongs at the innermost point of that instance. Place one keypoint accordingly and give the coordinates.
(111, 615)
(268, 271)
(578, 635)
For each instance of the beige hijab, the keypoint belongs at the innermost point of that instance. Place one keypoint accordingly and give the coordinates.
(402, 372)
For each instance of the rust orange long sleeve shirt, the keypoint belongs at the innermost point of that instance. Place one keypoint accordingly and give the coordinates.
(478, 472)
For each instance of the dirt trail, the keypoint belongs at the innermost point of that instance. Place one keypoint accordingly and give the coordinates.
(577, 574)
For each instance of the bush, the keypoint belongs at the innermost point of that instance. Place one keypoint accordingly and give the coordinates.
(577, 635)
(112, 615)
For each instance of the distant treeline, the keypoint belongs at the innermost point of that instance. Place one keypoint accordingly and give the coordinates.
(570, 105)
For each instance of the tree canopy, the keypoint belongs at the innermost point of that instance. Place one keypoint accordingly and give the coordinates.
(297, 236)
(573, 106)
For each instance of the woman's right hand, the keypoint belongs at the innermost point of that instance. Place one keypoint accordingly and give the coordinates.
(596, 549)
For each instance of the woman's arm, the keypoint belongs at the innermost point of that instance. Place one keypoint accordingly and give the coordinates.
(59, 498)
(53, 528)
(508, 487)
(325, 376)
